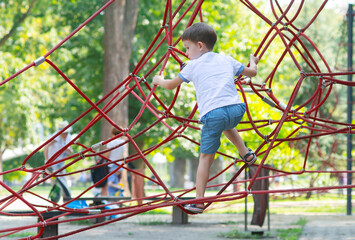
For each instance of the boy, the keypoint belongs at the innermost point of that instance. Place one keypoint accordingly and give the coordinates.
(113, 183)
(217, 98)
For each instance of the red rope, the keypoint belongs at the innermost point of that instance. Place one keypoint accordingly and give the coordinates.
(294, 41)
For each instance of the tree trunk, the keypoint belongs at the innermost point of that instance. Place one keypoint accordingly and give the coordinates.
(177, 173)
(120, 23)
(216, 168)
(193, 164)
(311, 185)
(1, 170)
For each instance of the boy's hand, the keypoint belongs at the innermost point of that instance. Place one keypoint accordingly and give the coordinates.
(254, 59)
(158, 78)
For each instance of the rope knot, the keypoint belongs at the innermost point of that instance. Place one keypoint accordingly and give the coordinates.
(82, 156)
(304, 74)
(125, 131)
(165, 114)
(285, 26)
(165, 26)
(97, 146)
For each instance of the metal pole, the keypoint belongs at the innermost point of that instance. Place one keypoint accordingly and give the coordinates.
(268, 210)
(350, 108)
(246, 201)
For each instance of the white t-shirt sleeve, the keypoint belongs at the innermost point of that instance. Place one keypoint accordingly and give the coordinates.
(186, 73)
(237, 66)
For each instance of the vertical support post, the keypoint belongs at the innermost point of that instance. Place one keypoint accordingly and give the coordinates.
(350, 100)
(50, 230)
(268, 211)
(246, 201)
(179, 216)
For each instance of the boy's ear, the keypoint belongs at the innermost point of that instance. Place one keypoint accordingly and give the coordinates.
(201, 45)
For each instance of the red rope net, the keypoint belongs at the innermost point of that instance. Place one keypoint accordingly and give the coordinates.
(294, 40)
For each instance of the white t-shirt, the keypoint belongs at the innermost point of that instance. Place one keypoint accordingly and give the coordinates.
(116, 153)
(57, 144)
(213, 77)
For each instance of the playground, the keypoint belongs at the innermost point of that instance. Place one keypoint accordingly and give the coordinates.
(322, 217)
(112, 149)
(216, 226)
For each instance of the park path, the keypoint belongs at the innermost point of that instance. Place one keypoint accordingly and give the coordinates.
(329, 227)
(205, 226)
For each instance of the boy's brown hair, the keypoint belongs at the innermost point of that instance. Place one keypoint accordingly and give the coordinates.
(200, 32)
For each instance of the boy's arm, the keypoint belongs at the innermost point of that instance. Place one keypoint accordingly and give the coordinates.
(166, 83)
(111, 184)
(45, 151)
(252, 70)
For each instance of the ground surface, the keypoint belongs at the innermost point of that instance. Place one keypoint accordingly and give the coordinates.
(210, 226)
(205, 226)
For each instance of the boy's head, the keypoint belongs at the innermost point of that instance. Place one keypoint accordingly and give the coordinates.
(201, 32)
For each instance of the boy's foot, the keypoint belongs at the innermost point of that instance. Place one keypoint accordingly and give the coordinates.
(194, 208)
(249, 158)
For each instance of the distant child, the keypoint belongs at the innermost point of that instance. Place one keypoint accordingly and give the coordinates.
(114, 185)
(217, 98)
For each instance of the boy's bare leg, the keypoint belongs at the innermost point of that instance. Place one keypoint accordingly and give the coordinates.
(203, 173)
(234, 137)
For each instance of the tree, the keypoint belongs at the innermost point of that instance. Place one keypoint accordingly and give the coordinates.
(15, 119)
(120, 23)
(18, 18)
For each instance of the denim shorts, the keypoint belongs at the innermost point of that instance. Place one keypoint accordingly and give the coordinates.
(215, 122)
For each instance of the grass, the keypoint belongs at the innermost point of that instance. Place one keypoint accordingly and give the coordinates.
(81, 222)
(153, 222)
(232, 222)
(292, 233)
(325, 203)
(22, 235)
(158, 211)
(236, 234)
(284, 234)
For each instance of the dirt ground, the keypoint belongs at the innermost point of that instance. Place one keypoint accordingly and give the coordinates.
(205, 226)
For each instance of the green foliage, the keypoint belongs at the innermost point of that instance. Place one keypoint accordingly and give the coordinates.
(36, 160)
(40, 97)
(11, 164)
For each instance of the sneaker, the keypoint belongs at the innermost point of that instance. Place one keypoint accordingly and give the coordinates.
(192, 208)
